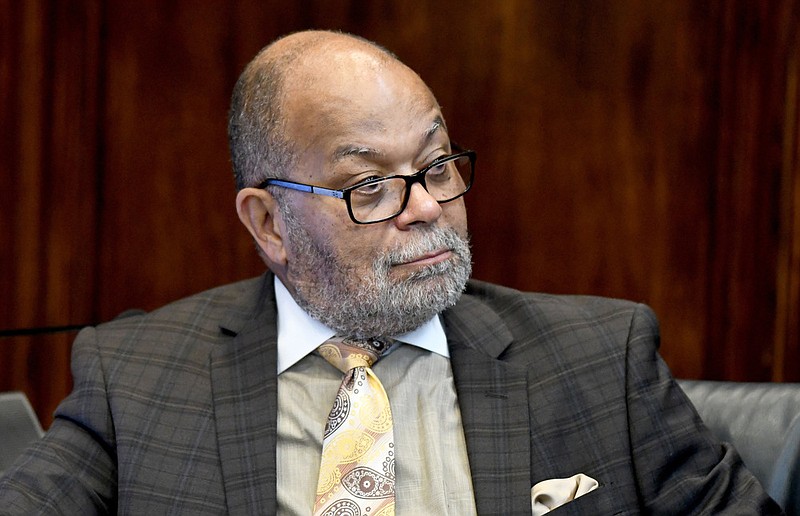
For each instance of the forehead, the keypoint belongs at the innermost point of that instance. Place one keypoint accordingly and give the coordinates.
(435, 132)
(358, 105)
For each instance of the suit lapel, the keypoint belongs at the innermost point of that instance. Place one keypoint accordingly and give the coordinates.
(493, 397)
(244, 384)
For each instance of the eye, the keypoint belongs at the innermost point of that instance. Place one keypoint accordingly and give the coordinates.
(439, 168)
(370, 187)
(439, 171)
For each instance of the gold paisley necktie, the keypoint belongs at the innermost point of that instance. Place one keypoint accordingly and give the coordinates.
(356, 476)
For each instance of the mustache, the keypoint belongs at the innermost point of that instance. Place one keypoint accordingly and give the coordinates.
(427, 240)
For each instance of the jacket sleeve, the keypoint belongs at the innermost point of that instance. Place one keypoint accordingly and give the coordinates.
(72, 469)
(679, 466)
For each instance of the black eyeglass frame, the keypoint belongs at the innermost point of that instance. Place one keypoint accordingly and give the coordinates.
(417, 177)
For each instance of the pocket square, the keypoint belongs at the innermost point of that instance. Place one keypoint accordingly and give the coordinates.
(555, 492)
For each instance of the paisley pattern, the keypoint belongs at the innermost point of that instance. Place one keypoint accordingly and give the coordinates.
(356, 475)
(348, 446)
(339, 413)
(364, 482)
(343, 508)
(376, 415)
(386, 510)
(329, 476)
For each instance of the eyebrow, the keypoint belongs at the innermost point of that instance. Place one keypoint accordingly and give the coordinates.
(345, 151)
(438, 123)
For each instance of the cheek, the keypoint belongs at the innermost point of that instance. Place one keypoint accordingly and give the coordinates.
(360, 244)
(352, 245)
(322, 217)
(454, 214)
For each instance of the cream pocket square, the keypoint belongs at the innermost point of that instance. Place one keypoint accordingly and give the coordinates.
(549, 494)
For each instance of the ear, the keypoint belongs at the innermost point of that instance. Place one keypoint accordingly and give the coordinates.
(258, 211)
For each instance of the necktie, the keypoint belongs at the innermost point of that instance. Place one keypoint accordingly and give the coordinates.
(356, 476)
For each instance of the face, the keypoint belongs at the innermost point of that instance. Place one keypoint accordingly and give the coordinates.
(378, 279)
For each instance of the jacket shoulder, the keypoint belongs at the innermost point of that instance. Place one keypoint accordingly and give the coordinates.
(554, 308)
(199, 318)
(547, 325)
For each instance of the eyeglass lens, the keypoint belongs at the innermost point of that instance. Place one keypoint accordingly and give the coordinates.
(383, 199)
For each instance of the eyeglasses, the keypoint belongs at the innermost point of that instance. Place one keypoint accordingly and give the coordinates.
(382, 198)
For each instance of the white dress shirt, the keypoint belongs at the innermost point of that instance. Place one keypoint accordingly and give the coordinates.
(299, 334)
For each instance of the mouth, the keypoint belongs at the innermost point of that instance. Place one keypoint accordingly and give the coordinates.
(427, 259)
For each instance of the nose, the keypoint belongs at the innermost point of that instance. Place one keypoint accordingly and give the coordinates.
(421, 208)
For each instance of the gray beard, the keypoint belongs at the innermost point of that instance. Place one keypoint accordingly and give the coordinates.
(364, 306)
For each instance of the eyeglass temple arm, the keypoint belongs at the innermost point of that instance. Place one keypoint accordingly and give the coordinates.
(306, 188)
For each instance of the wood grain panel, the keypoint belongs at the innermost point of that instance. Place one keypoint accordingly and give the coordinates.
(645, 150)
(787, 317)
(168, 223)
(49, 190)
(746, 210)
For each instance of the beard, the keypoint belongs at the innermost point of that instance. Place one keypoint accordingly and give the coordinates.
(362, 303)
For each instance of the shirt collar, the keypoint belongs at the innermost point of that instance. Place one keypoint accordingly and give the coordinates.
(299, 334)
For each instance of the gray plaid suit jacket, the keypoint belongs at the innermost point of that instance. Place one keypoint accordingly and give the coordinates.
(175, 412)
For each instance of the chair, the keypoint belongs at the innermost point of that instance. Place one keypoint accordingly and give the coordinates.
(762, 421)
(19, 426)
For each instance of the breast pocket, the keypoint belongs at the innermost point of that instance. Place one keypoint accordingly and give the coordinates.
(605, 500)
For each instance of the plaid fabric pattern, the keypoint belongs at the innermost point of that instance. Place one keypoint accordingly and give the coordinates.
(175, 412)
(573, 385)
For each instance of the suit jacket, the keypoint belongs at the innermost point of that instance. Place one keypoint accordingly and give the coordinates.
(175, 412)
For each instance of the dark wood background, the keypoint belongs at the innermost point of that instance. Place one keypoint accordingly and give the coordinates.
(636, 149)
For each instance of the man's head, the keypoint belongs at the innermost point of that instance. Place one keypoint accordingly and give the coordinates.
(333, 110)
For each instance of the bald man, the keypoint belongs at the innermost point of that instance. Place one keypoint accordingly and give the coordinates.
(502, 402)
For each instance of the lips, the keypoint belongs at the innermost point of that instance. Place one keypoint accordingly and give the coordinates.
(430, 258)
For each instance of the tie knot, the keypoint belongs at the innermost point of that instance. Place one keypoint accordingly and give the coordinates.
(346, 353)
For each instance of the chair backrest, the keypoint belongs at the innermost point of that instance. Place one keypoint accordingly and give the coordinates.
(19, 426)
(762, 421)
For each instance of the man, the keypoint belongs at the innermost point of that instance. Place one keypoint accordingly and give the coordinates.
(217, 403)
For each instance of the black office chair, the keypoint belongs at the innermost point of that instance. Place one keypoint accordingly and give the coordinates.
(762, 421)
(19, 426)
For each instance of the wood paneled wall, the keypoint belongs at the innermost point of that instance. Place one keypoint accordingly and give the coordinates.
(645, 150)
